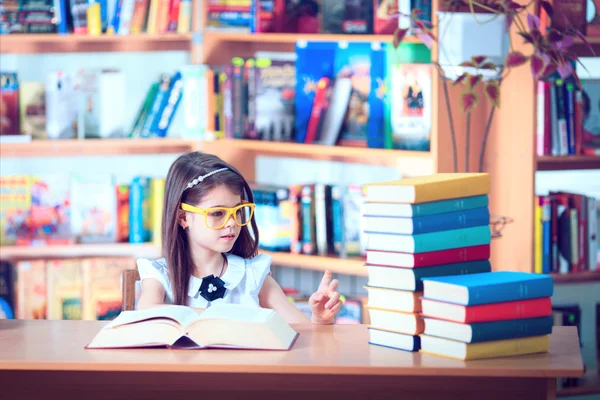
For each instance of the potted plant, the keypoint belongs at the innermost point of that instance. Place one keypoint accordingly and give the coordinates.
(551, 53)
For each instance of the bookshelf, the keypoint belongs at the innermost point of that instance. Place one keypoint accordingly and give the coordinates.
(54, 43)
(96, 147)
(558, 163)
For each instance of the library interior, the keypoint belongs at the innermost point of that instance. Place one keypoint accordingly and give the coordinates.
(300, 198)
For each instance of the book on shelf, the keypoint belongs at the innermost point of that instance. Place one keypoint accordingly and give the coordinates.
(219, 326)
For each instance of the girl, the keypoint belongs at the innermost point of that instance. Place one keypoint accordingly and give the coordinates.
(210, 254)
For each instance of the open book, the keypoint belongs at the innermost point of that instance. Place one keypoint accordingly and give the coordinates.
(219, 326)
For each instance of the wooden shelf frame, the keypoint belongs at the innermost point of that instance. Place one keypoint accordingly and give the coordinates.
(97, 147)
(408, 163)
(577, 277)
(349, 266)
(294, 37)
(71, 43)
(559, 163)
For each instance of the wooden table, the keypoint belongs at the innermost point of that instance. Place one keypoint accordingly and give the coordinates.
(46, 359)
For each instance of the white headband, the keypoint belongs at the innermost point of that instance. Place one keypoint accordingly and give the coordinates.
(203, 177)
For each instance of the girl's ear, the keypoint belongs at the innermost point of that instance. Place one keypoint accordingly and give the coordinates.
(181, 219)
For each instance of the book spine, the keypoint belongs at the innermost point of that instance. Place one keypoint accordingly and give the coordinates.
(475, 185)
(170, 107)
(138, 210)
(508, 310)
(449, 221)
(452, 239)
(511, 291)
(308, 220)
(519, 328)
(471, 267)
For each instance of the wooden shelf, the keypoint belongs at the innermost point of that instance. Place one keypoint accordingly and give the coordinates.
(583, 51)
(54, 43)
(588, 384)
(555, 163)
(294, 37)
(15, 253)
(407, 162)
(94, 147)
(577, 277)
(219, 47)
(348, 266)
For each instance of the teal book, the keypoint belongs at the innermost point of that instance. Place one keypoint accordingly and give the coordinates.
(423, 209)
(433, 241)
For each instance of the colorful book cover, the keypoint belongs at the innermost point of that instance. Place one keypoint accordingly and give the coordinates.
(32, 105)
(9, 104)
(157, 106)
(122, 213)
(314, 61)
(275, 93)
(32, 290)
(50, 213)
(15, 203)
(7, 291)
(157, 199)
(139, 210)
(65, 288)
(94, 208)
(102, 287)
(169, 106)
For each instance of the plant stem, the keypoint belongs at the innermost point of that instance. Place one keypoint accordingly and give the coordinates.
(485, 138)
(449, 110)
(467, 141)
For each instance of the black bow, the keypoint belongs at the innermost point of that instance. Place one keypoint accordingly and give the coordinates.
(212, 288)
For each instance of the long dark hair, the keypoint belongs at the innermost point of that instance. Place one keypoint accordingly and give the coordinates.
(175, 247)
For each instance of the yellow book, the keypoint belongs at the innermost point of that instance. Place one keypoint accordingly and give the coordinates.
(428, 188)
(538, 236)
(93, 20)
(64, 289)
(157, 198)
(476, 351)
(32, 300)
(152, 16)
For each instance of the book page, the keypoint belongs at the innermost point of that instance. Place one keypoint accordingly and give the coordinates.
(236, 313)
(181, 314)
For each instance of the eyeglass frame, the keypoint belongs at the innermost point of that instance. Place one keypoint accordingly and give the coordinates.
(231, 212)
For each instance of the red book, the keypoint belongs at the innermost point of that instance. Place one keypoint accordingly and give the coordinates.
(520, 309)
(428, 259)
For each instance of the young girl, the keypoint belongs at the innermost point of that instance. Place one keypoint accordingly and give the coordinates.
(210, 254)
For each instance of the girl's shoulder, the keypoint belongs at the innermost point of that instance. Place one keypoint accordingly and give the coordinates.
(156, 269)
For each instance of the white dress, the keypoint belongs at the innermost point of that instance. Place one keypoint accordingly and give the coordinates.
(243, 279)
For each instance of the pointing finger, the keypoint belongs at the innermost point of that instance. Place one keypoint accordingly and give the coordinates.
(325, 281)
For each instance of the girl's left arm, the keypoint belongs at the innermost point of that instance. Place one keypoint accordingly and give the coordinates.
(271, 296)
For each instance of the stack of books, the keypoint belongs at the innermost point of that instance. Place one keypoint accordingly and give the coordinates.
(421, 227)
(487, 315)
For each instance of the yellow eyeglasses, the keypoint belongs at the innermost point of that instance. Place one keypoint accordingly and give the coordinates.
(217, 217)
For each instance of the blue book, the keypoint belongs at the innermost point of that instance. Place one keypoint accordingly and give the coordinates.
(486, 288)
(428, 223)
(488, 331)
(410, 279)
(139, 210)
(423, 209)
(433, 241)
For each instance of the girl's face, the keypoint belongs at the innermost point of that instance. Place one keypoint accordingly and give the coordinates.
(219, 240)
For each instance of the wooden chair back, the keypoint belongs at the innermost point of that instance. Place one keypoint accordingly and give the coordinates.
(130, 277)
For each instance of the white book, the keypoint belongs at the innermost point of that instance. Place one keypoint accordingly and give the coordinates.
(219, 326)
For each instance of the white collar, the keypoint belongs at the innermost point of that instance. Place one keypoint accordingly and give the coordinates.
(236, 269)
